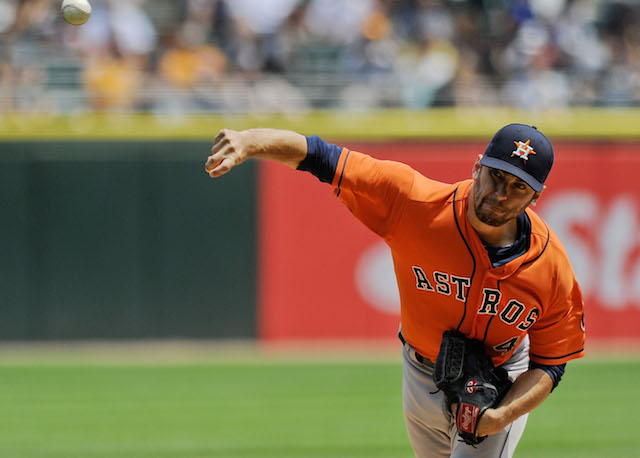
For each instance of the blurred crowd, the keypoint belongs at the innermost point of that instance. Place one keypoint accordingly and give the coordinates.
(181, 56)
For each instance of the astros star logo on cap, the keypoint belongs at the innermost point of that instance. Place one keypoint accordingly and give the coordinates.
(524, 149)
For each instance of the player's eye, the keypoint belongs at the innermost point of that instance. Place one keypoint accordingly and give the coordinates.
(521, 186)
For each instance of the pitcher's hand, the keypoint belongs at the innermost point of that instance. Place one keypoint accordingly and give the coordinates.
(491, 422)
(230, 148)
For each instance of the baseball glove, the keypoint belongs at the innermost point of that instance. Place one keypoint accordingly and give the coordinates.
(469, 379)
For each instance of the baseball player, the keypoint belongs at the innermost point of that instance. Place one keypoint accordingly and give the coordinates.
(470, 258)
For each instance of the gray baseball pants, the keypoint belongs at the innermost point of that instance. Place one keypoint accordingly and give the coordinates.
(432, 428)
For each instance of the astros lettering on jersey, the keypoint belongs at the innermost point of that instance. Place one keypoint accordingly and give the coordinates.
(444, 275)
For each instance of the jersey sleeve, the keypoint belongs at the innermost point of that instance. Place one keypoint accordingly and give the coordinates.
(555, 372)
(559, 335)
(321, 159)
(375, 191)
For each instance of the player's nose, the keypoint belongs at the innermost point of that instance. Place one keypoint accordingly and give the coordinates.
(500, 192)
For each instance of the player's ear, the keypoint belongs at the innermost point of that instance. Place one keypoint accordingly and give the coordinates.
(476, 167)
(534, 201)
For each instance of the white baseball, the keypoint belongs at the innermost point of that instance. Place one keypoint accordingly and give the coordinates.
(76, 12)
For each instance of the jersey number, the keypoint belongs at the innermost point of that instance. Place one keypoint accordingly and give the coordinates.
(506, 347)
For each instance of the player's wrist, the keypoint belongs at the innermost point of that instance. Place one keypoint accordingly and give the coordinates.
(504, 415)
(255, 143)
(491, 422)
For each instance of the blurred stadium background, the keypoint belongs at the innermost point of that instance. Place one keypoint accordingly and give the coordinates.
(148, 311)
(185, 56)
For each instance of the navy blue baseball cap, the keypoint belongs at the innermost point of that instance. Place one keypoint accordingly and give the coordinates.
(523, 151)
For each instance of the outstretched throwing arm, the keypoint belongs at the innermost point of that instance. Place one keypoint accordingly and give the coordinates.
(232, 148)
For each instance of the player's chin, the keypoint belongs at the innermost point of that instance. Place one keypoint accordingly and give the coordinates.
(490, 218)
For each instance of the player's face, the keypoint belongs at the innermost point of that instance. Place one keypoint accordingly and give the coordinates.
(499, 197)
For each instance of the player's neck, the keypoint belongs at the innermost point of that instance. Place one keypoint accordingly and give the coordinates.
(499, 236)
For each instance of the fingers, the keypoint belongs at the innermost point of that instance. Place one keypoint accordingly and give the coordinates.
(222, 158)
(212, 162)
(221, 167)
(219, 141)
(221, 134)
(219, 163)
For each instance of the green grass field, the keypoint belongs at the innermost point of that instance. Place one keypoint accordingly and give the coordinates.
(278, 409)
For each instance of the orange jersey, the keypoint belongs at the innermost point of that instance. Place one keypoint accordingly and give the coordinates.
(445, 278)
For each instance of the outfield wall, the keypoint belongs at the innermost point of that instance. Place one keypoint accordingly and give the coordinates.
(114, 239)
(112, 229)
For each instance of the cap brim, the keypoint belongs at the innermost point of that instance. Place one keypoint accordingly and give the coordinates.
(499, 164)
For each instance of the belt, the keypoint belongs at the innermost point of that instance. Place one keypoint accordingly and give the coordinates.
(421, 359)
